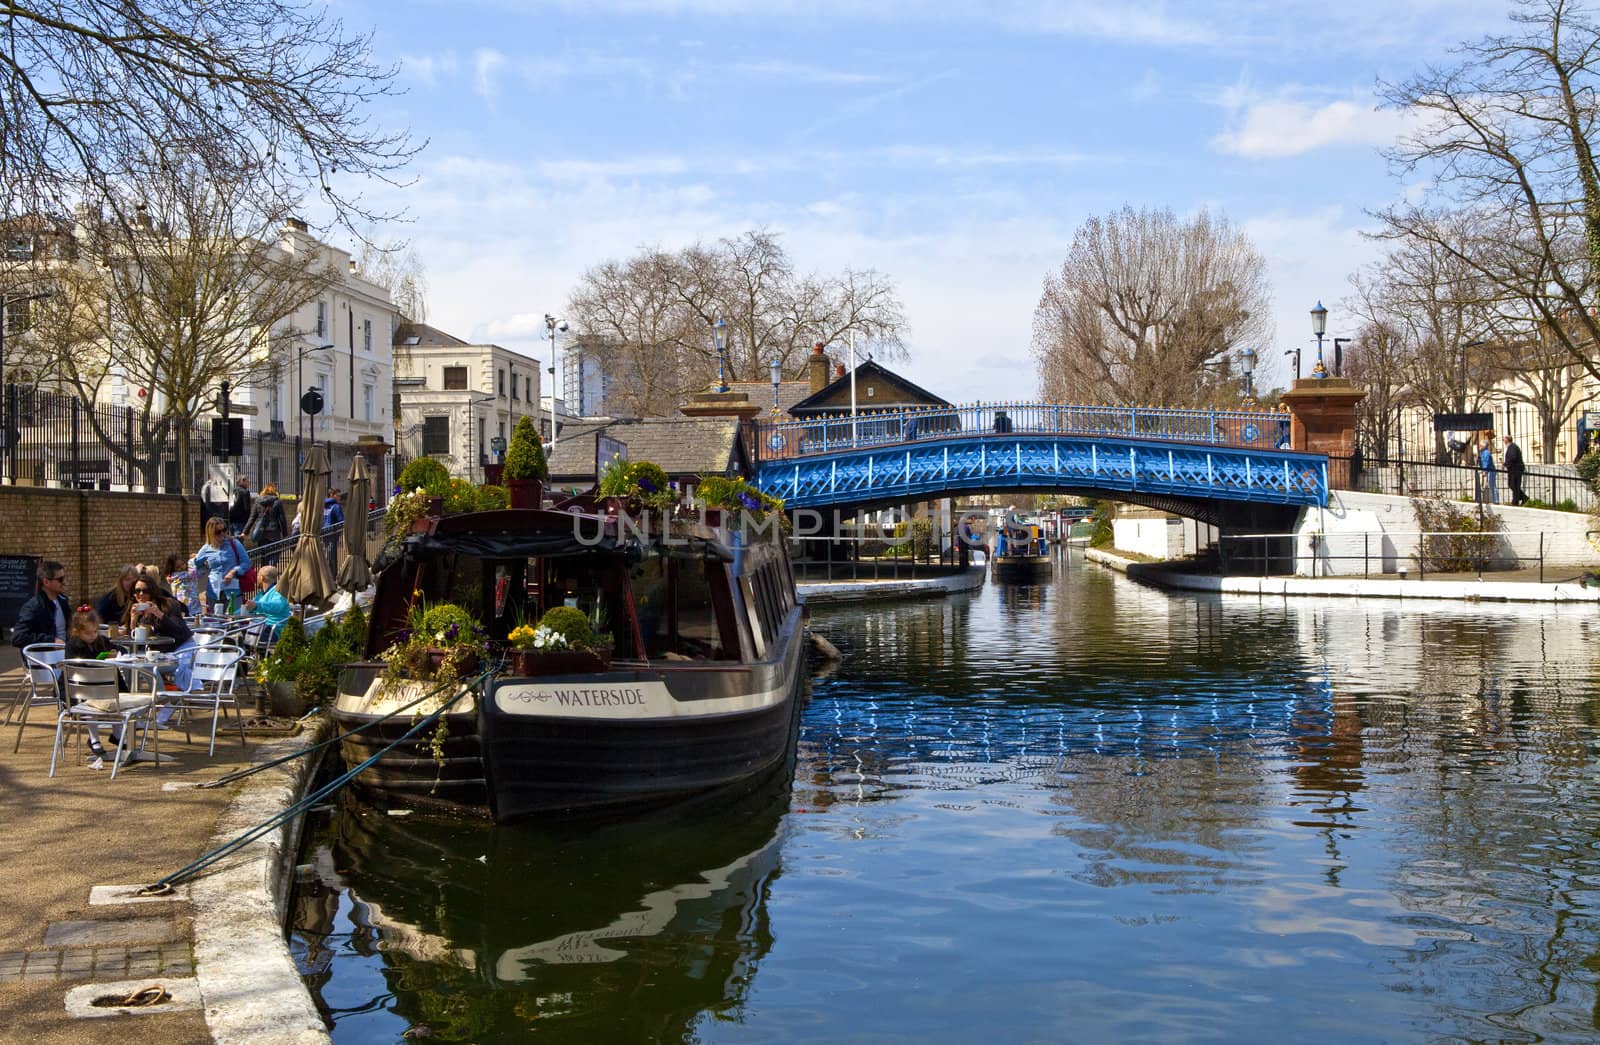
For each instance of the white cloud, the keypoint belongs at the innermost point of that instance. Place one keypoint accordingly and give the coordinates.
(779, 70)
(426, 68)
(487, 62)
(1282, 127)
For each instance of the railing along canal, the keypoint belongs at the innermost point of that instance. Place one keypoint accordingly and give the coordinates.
(788, 439)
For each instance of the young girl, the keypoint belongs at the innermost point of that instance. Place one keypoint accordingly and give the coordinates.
(84, 642)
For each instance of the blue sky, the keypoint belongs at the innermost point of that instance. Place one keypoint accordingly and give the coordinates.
(953, 147)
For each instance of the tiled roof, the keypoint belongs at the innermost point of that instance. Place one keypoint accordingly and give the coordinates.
(760, 393)
(427, 337)
(682, 446)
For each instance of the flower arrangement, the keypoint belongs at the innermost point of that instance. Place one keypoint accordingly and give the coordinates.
(441, 644)
(643, 484)
(524, 637)
(733, 494)
(563, 640)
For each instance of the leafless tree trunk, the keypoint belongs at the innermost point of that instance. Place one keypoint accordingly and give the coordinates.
(1150, 310)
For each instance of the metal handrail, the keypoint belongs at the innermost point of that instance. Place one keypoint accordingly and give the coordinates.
(831, 434)
(1321, 543)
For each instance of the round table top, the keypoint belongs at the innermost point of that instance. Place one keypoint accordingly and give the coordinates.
(154, 641)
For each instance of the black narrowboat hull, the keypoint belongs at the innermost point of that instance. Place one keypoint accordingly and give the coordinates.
(633, 739)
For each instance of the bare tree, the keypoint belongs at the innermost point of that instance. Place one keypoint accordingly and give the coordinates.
(396, 267)
(273, 93)
(651, 320)
(1505, 135)
(1150, 310)
(181, 286)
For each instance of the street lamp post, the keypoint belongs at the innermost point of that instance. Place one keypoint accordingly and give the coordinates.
(552, 324)
(1296, 353)
(300, 413)
(1247, 362)
(777, 375)
(719, 333)
(1319, 327)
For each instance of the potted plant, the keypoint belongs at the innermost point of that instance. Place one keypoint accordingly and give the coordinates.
(562, 643)
(301, 673)
(637, 485)
(526, 469)
(722, 493)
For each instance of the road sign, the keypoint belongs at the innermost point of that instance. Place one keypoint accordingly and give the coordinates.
(311, 402)
(1462, 422)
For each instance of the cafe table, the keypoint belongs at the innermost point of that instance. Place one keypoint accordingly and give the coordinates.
(151, 663)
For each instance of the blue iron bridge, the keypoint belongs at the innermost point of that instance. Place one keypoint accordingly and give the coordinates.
(1190, 461)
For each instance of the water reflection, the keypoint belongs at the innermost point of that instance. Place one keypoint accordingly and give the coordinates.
(1077, 810)
(631, 931)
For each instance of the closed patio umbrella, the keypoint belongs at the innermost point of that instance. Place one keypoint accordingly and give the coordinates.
(354, 572)
(303, 576)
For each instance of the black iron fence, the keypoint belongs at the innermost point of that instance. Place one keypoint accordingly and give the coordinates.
(1453, 482)
(54, 439)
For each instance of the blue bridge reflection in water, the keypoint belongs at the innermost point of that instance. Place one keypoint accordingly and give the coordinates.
(1078, 811)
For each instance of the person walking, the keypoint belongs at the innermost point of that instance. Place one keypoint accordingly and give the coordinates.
(1512, 460)
(1486, 464)
(44, 617)
(239, 508)
(332, 515)
(267, 524)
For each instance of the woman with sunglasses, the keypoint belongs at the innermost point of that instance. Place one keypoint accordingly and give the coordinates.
(154, 609)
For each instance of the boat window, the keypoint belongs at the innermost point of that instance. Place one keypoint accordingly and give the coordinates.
(697, 622)
(757, 628)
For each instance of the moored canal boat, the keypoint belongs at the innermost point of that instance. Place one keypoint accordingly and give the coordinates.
(1021, 552)
(693, 684)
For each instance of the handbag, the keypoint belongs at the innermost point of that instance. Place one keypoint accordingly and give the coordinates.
(247, 579)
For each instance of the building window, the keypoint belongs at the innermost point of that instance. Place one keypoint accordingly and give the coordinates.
(366, 335)
(19, 248)
(322, 319)
(436, 435)
(19, 315)
(502, 430)
(527, 387)
(366, 402)
(500, 382)
(513, 386)
(455, 378)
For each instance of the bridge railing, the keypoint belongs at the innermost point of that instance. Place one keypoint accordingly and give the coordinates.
(822, 435)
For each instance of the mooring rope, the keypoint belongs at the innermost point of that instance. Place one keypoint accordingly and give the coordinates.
(240, 774)
(205, 860)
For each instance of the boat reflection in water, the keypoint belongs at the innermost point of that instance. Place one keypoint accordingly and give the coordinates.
(636, 930)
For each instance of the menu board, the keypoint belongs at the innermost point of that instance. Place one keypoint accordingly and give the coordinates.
(16, 586)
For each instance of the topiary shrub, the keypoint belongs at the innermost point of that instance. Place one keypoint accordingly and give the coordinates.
(525, 456)
(449, 625)
(571, 623)
(427, 473)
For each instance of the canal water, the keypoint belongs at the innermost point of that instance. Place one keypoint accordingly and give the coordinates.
(1081, 810)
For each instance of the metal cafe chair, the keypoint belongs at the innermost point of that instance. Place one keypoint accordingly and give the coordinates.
(41, 663)
(216, 668)
(93, 694)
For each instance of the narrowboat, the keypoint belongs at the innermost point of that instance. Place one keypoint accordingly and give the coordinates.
(697, 687)
(1020, 551)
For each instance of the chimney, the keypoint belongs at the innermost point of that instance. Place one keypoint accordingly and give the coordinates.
(296, 225)
(141, 216)
(352, 266)
(818, 369)
(839, 372)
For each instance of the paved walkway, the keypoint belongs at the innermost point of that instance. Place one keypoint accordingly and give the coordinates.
(64, 835)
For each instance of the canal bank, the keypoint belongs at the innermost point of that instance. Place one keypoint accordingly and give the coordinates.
(77, 845)
(822, 593)
(1561, 584)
